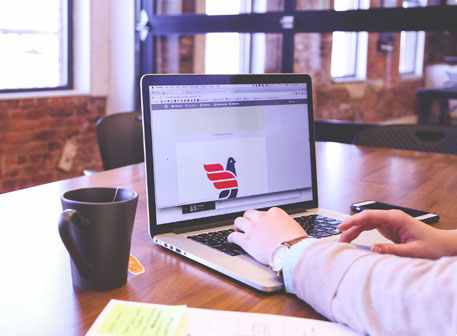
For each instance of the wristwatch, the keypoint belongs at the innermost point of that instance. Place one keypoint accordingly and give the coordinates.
(279, 253)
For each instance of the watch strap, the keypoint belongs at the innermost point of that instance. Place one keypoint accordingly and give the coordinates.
(294, 241)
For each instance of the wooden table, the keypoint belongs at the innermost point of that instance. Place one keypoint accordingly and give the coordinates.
(36, 292)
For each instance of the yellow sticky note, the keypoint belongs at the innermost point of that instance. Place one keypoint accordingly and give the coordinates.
(129, 320)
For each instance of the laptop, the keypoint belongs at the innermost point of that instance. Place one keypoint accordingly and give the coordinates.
(218, 145)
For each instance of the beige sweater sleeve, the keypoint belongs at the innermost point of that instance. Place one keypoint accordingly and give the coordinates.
(378, 294)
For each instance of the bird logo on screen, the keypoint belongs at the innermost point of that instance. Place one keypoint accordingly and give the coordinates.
(223, 179)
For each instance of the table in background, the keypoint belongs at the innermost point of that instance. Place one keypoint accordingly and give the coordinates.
(36, 292)
(426, 96)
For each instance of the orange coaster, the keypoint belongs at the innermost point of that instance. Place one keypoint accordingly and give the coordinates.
(135, 267)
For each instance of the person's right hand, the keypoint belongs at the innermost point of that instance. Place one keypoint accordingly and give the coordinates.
(412, 237)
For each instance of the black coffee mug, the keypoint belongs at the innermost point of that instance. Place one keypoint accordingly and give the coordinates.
(96, 228)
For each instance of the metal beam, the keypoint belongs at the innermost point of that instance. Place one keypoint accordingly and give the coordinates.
(435, 18)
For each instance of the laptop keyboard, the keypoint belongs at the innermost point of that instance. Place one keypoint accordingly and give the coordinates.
(319, 226)
(316, 226)
(218, 241)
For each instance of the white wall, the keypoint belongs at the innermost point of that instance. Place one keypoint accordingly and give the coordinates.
(121, 96)
(112, 53)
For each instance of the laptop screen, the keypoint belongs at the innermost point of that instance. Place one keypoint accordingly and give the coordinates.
(221, 148)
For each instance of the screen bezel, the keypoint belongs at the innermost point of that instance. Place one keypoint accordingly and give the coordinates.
(153, 79)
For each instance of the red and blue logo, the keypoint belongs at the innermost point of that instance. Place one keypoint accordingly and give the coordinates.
(223, 179)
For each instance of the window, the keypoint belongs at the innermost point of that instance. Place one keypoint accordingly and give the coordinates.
(349, 49)
(234, 52)
(412, 46)
(34, 39)
(226, 52)
(272, 46)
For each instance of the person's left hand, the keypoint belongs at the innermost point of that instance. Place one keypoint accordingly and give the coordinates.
(259, 232)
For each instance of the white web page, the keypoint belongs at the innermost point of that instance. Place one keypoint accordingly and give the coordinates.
(269, 146)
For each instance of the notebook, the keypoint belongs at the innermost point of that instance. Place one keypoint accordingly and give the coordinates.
(218, 145)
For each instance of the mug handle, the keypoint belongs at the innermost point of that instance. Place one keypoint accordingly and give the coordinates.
(67, 218)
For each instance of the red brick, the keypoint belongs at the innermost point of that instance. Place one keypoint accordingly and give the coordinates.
(31, 169)
(45, 135)
(9, 104)
(28, 102)
(43, 178)
(21, 159)
(38, 113)
(80, 100)
(4, 116)
(39, 158)
(53, 145)
(24, 183)
(54, 123)
(23, 125)
(8, 185)
(34, 146)
(51, 164)
(12, 171)
(10, 160)
(18, 113)
(11, 148)
(74, 121)
(67, 133)
(59, 111)
(18, 137)
(57, 100)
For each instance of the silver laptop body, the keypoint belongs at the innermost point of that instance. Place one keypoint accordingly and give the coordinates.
(217, 145)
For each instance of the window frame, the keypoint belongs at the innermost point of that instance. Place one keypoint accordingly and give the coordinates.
(431, 18)
(312, 21)
(418, 62)
(415, 68)
(244, 43)
(70, 60)
(359, 51)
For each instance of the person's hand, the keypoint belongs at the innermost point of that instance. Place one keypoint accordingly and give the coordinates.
(259, 232)
(412, 237)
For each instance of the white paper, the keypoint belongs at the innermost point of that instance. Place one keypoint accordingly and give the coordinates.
(206, 322)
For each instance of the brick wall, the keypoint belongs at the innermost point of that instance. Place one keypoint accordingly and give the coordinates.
(34, 131)
(383, 95)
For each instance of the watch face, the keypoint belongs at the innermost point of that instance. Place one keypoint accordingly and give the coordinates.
(277, 257)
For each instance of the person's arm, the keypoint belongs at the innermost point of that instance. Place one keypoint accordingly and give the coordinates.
(259, 232)
(374, 293)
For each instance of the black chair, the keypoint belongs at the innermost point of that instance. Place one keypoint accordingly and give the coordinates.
(120, 139)
(425, 138)
(338, 130)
